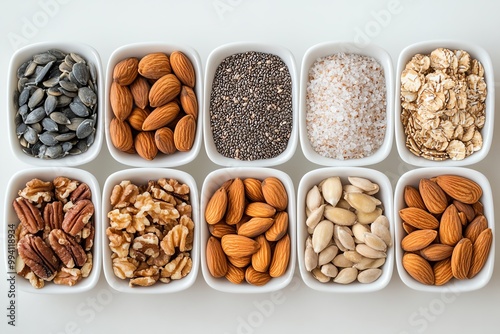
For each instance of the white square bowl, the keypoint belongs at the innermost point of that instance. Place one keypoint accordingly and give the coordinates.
(141, 176)
(330, 48)
(139, 50)
(413, 178)
(313, 178)
(214, 60)
(26, 53)
(212, 182)
(487, 132)
(18, 182)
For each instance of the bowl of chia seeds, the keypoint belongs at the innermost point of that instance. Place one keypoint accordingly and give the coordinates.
(54, 104)
(346, 116)
(251, 105)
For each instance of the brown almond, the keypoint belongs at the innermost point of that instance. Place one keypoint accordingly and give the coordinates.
(160, 116)
(275, 193)
(145, 146)
(239, 246)
(234, 274)
(281, 257)
(467, 209)
(184, 133)
(262, 258)
(408, 228)
(183, 68)
(279, 227)
(221, 229)
(216, 206)
(436, 252)
(164, 90)
(255, 226)
(475, 227)
(442, 272)
(418, 268)
(413, 199)
(236, 202)
(140, 92)
(418, 240)
(461, 259)
(255, 277)
(121, 135)
(189, 101)
(253, 190)
(433, 196)
(137, 117)
(154, 65)
(480, 252)
(216, 259)
(121, 101)
(478, 208)
(450, 227)
(164, 140)
(460, 188)
(240, 262)
(419, 218)
(125, 71)
(463, 218)
(260, 209)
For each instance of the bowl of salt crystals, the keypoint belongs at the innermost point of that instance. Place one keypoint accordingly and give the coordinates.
(452, 86)
(346, 109)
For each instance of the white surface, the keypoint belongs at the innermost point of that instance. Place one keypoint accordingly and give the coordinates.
(296, 25)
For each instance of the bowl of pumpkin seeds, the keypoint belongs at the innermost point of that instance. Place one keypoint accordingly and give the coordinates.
(54, 104)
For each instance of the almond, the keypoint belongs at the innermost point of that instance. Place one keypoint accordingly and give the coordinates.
(465, 208)
(279, 227)
(436, 252)
(184, 133)
(412, 198)
(253, 190)
(145, 146)
(255, 226)
(450, 227)
(154, 65)
(478, 208)
(442, 272)
(164, 140)
(255, 277)
(137, 117)
(216, 206)
(433, 196)
(260, 209)
(419, 218)
(121, 101)
(281, 257)
(275, 193)
(125, 71)
(408, 228)
(475, 227)
(140, 92)
(480, 252)
(418, 268)
(236, 201)
(418, 240)
(461, 259)
(160, 116)
(164, 90)
(188, 101)
(460, 188)
(221, 229)
(121, 135)
(234, 274)
(216, 259)
(240, 262)
(183, 68)
(239, 246)
(262, 258)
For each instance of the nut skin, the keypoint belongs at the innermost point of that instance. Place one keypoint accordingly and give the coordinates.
(154, 65)
(450, 226)
(164, 90)
(255, 277)
(164, 140)
(28, 214)
(140, 92)
(418, 218)
(183, 68)
(38, 256)
(239, 246)
(418, 268)
(433, 196)
(461, 258)
(460, 188)
(281, 257)
(253, 190)
(216, 259)
(121, 135)
(137, 118)
(145, 146)
(161, 116)
(275, 193)
(67, 249)
(184, 133)
(279, 227)
(77, 216)
(262, 258)
(125, 71)
(216, 206)
(442, 272)
(189, 101)
(412, 198)
(236, 202)
(121, 101)
(480, 252)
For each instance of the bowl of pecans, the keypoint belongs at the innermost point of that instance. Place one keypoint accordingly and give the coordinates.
(445, 104)
(52, 230)
(150, 230)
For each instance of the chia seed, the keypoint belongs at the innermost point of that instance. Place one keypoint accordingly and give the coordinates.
(251, 106)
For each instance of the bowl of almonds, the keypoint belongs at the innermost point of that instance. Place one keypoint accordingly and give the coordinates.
(153, 103)
(248, 230)
(445, 104)
(52, 230)
(444, 223)
(345, 229)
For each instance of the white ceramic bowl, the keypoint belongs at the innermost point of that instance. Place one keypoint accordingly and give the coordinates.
(26, 53)
(330, 48)
(139, 50)
(313, 178)
(212, 182)
(141, 176)
(214, 59)
(18, 182)
(412, 178)
(487, 132)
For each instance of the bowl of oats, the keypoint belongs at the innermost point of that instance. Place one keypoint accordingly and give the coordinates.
(445, 101)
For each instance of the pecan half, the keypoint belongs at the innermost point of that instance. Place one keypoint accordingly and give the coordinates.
(53, 215)
(67, 249)
(38, 256)
(81, 192)
(77, 216)
(28, 214)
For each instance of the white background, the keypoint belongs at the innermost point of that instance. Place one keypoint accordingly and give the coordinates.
(297, 25)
